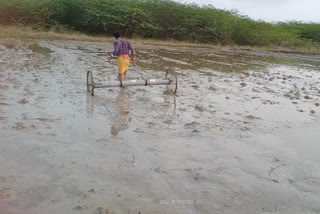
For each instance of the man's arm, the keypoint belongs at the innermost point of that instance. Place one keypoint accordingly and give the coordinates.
(131, 49)
(116, 49)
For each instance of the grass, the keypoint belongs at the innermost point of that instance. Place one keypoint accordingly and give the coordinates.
(19, 32)
(7, 33)
(9, 43)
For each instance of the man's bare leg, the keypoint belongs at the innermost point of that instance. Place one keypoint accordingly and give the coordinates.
(125, 74)
(121, 76)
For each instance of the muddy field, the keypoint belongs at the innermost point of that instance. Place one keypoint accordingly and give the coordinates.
(241, 135)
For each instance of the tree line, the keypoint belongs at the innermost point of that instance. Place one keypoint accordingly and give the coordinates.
(158, 19)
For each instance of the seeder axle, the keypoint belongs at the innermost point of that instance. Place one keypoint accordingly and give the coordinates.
(91, 85)
(117, 83)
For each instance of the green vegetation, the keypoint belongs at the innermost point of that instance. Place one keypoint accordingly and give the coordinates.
(157, 19)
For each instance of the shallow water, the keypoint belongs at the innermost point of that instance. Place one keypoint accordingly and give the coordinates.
(239, 137)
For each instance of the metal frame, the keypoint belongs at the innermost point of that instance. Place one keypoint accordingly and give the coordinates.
(170, 70)
(91, 85)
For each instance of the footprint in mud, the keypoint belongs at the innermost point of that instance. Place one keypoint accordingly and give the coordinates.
(153, 149)
(253, 98)
(125, 113)
(4, 193)
(24, 101)
(251, 117)
(212, 88)
(138, 130)
(272, 172)
(151, 124)
(36, 80)
(92, 191)
(100, 210)
(244, 84)
(19, 126)
(193, 124)
(115, 129)
(197, 176)
(28, 91)
(168, 122)
(195, 131)
(81, 207)
(168, 92)
(182, 109)
(199, 108)
(140, 90)
(4, 87)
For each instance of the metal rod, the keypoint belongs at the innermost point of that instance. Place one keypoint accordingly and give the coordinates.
(117, 83)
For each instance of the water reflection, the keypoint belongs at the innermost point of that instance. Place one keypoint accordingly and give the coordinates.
(121, 121)
(120, 106)
(115, 112)
(90, 105)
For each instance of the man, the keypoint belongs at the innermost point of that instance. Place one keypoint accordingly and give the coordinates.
(121, 52)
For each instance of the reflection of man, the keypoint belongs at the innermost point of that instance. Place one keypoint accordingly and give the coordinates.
(120, 121)
(121, 51)
(116, 128)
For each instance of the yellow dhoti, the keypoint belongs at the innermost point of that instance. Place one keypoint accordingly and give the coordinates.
(123, 63)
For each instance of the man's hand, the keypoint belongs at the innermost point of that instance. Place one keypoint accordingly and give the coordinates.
(133, 59)
(110, 58)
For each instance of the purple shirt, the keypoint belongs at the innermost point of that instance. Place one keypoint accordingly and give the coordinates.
(122, 47)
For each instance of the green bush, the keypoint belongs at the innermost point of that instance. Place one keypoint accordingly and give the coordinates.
(159, 19)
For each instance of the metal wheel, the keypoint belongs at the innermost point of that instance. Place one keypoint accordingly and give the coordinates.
(172, 76)
(90, 83)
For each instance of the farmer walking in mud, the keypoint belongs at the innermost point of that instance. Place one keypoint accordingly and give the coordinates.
(121, 52)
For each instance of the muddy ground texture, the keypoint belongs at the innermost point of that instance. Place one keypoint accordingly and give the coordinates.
(241, 135)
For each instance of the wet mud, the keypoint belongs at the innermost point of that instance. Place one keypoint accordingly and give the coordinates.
(240, 136)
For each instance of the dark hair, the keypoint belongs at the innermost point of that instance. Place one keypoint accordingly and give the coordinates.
(117, 35)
